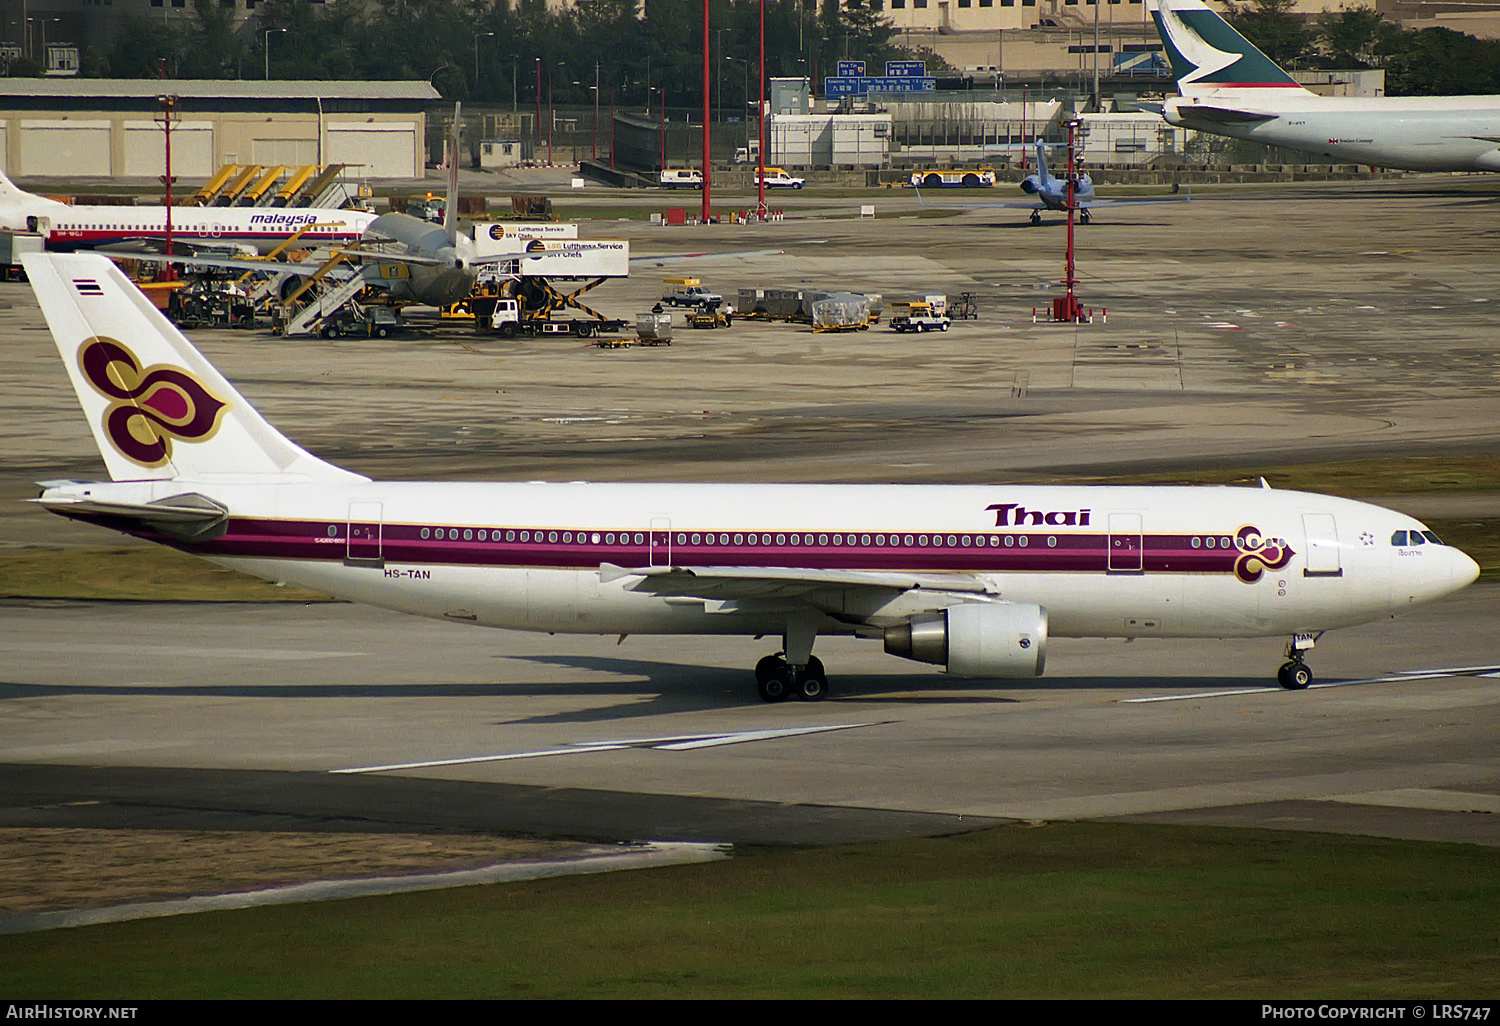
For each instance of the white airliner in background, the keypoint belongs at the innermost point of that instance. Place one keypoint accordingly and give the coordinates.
(972, 578)
(1230, 88)
(194, 229)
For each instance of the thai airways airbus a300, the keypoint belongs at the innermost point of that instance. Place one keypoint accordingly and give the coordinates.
(972, 578)
(1230, 88)
(194, 229)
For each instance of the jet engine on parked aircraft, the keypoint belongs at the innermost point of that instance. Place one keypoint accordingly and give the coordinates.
(978, 639)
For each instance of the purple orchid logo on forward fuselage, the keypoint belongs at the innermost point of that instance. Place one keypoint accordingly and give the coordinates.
(148, 407)
(1259, 554)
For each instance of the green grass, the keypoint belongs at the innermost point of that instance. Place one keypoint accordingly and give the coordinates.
(1064, 910)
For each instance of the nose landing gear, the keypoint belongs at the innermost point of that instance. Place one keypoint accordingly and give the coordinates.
(1294, 674)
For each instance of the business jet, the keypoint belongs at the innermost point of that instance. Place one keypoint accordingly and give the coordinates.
(1230, 88)
(975, 579)
(65, 227)
(1052, 194)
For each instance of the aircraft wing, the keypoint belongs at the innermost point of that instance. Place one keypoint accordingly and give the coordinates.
(1181, 197)
(1184, 196)
(650, 261)
(719, 582)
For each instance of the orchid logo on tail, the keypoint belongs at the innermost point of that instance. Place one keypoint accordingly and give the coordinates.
(148, 407)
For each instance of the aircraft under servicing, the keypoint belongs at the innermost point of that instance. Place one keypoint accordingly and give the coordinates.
(1230, 88)
(1052, 194)
(143, 230)
(972, 578)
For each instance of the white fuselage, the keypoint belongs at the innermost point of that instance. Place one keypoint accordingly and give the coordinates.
(1102, 561)
(1447, 133)
(66, 228)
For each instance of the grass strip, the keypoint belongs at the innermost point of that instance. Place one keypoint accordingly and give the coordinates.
(1079, 910)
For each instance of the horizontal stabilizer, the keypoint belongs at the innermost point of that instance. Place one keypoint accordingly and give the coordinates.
(1221, 115)
(189, 517)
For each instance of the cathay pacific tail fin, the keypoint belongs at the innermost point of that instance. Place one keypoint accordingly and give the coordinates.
(157, 408)
(1208, 55)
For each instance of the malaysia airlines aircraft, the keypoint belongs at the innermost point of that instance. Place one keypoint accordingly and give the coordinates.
(1230, 88)
(972, 578)
(66, 227)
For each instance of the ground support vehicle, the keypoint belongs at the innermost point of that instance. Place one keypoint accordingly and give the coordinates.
(711, 315)
(917, 316)
(777, 178)
(975, 178)
(964, 308)
(214, 303)
(687, 292)
(358, 320)
(12, 245)
(508, 320)
(681, 178)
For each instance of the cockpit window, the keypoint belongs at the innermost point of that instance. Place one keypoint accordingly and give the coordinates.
(1431, 537)
(1399, 538)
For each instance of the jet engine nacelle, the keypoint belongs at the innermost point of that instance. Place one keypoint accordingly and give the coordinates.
(978, 639)
(1031, 184)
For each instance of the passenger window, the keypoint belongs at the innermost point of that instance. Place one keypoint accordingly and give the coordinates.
(1399, 538)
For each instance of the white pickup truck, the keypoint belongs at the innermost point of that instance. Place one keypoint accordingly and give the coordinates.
(918, 316)
(688, 292)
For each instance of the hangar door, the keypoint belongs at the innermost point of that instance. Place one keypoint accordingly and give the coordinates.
(376, 151)
(192, 150)
(65, 148)
(286, 152)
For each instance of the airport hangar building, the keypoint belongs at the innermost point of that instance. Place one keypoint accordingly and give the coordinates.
(112, 128)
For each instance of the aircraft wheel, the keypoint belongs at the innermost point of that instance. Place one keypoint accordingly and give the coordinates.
(1294, 676)
(776, 687)
(1036, 218)
(812, 682)
(768, 668)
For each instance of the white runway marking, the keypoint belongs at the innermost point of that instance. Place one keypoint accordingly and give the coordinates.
(1400, 678)
(679, 743)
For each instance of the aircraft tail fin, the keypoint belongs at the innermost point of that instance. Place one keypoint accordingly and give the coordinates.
(450, 205)
(1208, 55)
(158, 409)
(16, 204)
(1041, 160)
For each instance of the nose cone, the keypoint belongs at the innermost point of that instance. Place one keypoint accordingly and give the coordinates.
(1463, 570)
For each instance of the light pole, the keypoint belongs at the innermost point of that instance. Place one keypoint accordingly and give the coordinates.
(477, 37)
(595, 133)
(269, 33)
(745, 106)
(515, 68)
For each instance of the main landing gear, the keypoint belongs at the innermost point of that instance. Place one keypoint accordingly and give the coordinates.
(779, 679)
(1294, 674)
